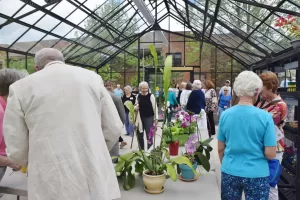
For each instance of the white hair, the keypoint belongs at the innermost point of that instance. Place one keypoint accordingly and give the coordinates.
(247, 83)
(127, 87)
(7, 77)
(197, 84)
(46, 55)
(144, 83)
(183, 84)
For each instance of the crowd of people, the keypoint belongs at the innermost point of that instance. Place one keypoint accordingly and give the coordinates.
(64, 123)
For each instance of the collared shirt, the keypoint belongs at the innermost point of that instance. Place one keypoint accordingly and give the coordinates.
(2, 142)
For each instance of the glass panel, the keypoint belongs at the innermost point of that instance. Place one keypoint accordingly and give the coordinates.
(40, 2)
(47, 23)
(192, 51)
(63, 9)
(28, 40)
(62, 29)
(18, 61)
(47, 44)
(9, 7)
(31, 19)
(25, 10)
(9, 33)
(2, 20)
(77, 17)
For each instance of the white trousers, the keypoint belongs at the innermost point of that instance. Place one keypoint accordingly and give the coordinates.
(273, 194)
(202, 126)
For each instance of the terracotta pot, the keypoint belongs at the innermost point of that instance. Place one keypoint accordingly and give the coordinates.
(174, 148)
(154, 184)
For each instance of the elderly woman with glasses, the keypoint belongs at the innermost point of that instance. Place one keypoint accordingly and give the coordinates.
(196, 104)
(224, 100)
(246, 141)
(7, 78)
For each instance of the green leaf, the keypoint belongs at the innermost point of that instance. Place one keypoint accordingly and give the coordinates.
(183, 160)
(131, 178)
(127, 156)
(154, 54)
(161, 70)
(120, 166)
(130, 107)
(167, 76)
(172, 172)
(204, 161)
(128, 180)
(207, 154)
(139, 167)
(206, 142)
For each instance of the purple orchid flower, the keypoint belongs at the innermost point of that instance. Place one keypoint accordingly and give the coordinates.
(151, 134)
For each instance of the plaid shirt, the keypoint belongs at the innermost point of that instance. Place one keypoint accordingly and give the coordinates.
(278, 109)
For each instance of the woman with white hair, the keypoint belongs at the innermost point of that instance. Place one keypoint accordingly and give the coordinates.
(185, 95)
(7, 78)
(246, 140)
(147, 107)
(196, 104)
(196, 100)
(224, 100)
(128, 97)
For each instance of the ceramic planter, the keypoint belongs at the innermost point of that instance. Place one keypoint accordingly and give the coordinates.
(296, 43)
(174, 148)
(154, 184)
(187, 173)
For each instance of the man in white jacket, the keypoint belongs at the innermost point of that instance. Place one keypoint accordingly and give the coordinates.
(62, 122)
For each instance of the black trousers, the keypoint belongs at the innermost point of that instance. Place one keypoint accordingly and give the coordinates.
(211, 123)
(121, 139)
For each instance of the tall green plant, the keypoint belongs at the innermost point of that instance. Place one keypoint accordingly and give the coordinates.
(155, 58)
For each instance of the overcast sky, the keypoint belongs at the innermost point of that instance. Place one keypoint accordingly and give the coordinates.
(11, 32)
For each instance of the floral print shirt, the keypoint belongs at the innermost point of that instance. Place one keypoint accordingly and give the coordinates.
(278, 109)
(211, 100)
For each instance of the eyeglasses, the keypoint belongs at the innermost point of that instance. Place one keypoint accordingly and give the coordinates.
(225, 90)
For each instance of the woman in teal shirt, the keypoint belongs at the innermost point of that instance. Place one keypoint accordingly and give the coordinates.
(173, 103)
(246, 140)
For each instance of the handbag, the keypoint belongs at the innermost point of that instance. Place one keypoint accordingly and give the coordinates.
(275, 172)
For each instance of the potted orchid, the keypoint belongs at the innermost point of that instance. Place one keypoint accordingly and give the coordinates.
(154, 165)
(290, 24)
(187, 173)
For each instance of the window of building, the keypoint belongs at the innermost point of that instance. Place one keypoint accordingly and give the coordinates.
(176, 58)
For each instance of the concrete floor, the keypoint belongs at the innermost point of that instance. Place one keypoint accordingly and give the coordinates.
(207, 187)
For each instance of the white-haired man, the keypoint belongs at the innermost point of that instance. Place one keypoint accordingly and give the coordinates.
(63, 122)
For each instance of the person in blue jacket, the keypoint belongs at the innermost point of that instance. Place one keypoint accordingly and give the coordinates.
(196, 101)
(173, 103)
(224, 101)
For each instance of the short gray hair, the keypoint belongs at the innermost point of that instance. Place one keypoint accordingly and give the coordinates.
(144, 83)
(8, 77)
(197, 84)
(247, 83)
(127, 87)
(47, 55)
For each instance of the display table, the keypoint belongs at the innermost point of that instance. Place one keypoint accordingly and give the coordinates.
(204, 188)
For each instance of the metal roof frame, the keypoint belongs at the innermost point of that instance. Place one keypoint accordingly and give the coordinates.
(240, 45)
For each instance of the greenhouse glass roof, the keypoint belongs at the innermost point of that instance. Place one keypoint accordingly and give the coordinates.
(91, 32)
